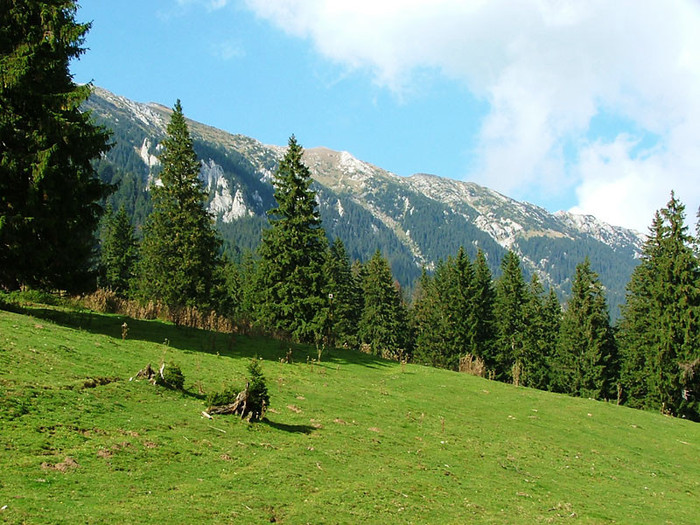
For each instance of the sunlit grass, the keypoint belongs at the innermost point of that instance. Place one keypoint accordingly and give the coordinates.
(351, 439)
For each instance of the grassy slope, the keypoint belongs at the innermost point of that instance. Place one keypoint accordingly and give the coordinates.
(353, 439)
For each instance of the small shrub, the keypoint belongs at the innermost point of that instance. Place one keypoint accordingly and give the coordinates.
(225, 397)
(251, 402)
(258, 397)
(172, 377)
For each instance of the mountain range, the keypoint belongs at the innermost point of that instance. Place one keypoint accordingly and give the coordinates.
(415, 221)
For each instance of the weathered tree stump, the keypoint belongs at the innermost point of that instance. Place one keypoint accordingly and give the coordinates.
(149, 374)
(238, 407)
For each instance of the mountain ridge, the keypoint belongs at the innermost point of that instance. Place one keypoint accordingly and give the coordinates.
(415, 220)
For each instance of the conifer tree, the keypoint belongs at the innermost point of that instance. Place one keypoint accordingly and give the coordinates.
(118, 252)
(248, 271)
(180, 249)
(290, 280)
(345, 297)
(430, 319)
(227, 292)
(551, 327)
(461, 294)
(444, 313)
(48, 186)
(638, 327)
(660, 328)
(511, 295)
(384, 321)
(585, 362)
(541, 331)
(484, 298)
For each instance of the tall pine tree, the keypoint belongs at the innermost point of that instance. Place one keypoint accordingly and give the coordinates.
(118, 252)
(484, 299)
(430, 319)
(511, 295)
(585, 362)
(344, 297)
(48, 187)
(444, 313)
(660, 325)
(180, 249)
(290, 281)
(542, 314)
(384, 321)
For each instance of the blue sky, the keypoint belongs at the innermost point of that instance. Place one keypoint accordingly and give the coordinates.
(590, 106)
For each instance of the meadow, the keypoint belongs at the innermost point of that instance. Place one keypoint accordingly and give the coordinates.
(348, 439)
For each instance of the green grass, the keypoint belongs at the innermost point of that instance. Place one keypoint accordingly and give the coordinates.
(353, 439)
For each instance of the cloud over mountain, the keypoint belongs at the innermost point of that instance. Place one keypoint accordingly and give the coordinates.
(598, 98)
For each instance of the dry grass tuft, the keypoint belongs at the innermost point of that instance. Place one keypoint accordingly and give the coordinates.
(472, 365)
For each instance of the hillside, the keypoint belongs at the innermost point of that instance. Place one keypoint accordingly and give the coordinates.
(414, 220)
(350, 439)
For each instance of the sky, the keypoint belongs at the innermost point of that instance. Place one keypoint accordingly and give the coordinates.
(592, 107)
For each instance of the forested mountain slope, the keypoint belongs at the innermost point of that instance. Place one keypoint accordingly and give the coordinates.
(414, 220)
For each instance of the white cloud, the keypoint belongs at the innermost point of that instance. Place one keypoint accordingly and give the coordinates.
(546, 68)
(227, 50)
(211, 5)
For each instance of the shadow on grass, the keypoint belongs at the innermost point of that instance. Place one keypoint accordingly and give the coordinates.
(195, 395)
(195, 339)
(295, 429)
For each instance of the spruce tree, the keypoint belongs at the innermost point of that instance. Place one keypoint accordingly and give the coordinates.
(344, 297)
(430, 319)
(541, 331)
(660, 328)
(638, 332)
(444, 313)
(511, 295)
(49, 190)
(484, 299)
(384, 321)
(585, 362)
(118, 253)
(180, 249)
(290, 281)
(461, 309)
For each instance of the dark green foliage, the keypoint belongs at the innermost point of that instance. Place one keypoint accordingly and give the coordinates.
(258, 397)
(484, 298)
(130, 193)
(430, 322)
(48, 187)
(660, 329)
(444, 314)
(179, 253)
(384, 321)
(224, 397)
(613, 266)
(248, 271)
(585, 364)
(172, 377)
(542, 319)
(344, 295)
(117, 253)
(511, 296)
(290, 281)
(227, 293)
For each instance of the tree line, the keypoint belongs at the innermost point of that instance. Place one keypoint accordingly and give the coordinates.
(299, 285)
